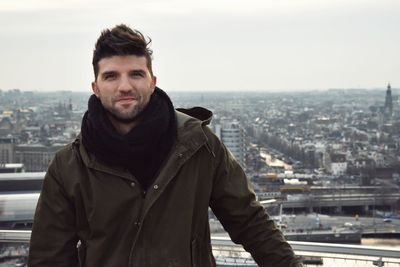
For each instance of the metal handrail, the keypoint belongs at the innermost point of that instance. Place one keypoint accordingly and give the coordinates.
(15, 235)
(346, 249)
(24, 236)
(326, 248)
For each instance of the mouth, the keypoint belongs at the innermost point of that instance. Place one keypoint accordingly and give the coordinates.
(125, 100)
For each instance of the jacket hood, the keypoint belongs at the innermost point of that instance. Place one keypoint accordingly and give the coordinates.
(199, 113)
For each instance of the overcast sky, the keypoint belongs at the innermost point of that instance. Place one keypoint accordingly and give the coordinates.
(225, 45)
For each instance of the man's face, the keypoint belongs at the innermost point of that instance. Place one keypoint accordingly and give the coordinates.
(124, 86)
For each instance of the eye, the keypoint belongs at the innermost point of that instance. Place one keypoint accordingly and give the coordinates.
(109, 76)
(137, 74)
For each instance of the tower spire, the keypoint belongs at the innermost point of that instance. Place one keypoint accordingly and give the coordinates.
(388, 102)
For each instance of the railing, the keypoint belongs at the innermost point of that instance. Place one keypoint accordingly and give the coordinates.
(314, 254)
(15, 236)
(15, 244)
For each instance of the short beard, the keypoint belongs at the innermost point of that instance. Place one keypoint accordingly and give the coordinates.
(134, 116)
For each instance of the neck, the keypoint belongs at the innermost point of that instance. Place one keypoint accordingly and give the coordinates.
(122, 127)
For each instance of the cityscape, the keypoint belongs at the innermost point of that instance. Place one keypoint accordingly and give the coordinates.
(322, 162)
(304, 95)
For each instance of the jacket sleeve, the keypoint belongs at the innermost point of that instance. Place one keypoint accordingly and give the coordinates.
(53, 240)
(233, 202)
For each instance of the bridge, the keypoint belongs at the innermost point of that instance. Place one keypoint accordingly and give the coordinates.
(345, 199)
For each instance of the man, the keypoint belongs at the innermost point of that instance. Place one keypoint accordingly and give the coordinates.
(134, 188)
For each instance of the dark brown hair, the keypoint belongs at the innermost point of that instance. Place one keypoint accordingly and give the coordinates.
(120, 41)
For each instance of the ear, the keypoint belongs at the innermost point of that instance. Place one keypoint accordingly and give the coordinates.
(153, 82)
(95, 89)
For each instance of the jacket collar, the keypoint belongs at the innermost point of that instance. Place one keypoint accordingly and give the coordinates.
(199, 113)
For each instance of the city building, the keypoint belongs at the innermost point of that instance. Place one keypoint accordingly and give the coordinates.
(7, 149)
(388, 108)
(36, 157)
(338, 164)
(232, 135)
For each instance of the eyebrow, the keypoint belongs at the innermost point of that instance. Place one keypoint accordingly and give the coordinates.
(108, 73)
(139, 71)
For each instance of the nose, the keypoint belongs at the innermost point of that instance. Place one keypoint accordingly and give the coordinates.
(125, 84)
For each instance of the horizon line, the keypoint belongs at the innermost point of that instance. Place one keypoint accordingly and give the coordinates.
(216, 90)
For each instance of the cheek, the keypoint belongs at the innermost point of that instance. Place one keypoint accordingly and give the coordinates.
(104, 97)
(105, 93)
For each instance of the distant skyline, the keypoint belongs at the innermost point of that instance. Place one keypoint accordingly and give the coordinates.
(208, 45)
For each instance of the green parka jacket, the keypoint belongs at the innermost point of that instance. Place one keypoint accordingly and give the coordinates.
(116, 224)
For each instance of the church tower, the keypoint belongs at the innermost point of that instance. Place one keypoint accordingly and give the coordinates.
(388, 109)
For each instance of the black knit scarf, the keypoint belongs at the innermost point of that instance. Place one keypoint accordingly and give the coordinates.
(143, 150)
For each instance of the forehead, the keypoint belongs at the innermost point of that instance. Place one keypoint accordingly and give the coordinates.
(123, 63)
